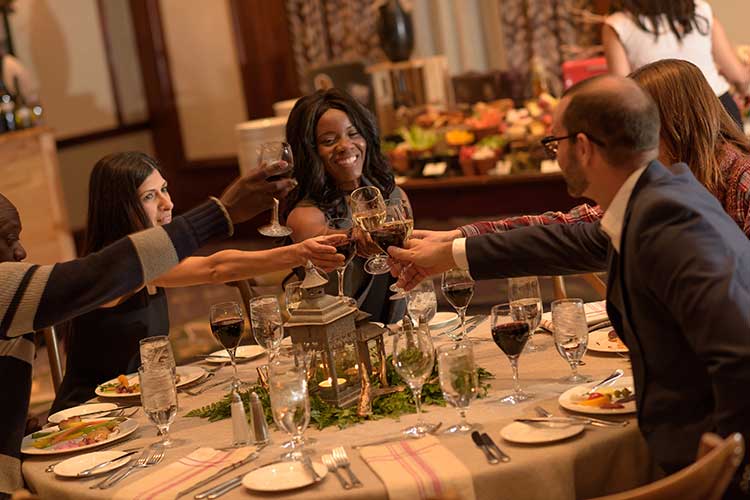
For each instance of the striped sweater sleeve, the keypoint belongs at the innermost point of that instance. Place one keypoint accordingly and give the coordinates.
(33, 297)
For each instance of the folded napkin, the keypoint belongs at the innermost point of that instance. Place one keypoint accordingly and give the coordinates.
(421, 468)
(166, 482)
(596, 312)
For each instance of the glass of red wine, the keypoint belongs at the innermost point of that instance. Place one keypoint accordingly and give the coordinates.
(511, 336)
(227, 324)
(348, 249)
(458, 288)
(274, 152)
(369, 212)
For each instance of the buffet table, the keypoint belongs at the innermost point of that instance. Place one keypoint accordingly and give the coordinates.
(596, 462)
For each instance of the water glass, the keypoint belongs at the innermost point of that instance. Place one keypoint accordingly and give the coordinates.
(526, 305)
(571, 335)
(511, 336)
(157, 351)
(459, 379)
(414, 359)
(290, 403)
(292, 295)
(458, 288)
(422, 301)
(265, 319)
(159, 399)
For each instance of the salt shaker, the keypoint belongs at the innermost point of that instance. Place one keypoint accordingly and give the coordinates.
(258, 419)
(239, 422)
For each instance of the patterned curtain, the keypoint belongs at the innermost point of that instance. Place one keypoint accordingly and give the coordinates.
(545, 32)
(328, 31)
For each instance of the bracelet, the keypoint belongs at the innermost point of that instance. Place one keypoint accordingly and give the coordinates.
(226, 214)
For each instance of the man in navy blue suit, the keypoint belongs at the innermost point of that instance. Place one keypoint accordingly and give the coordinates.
(678, 289)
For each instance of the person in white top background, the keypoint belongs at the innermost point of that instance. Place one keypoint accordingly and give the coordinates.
(644, 31)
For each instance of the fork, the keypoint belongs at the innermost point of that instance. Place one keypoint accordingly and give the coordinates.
(155, 455)
(330, 463)
(341, 459)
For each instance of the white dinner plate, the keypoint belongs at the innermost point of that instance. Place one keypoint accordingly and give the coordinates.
(75, 465)
(519, 432)
(244, 352)
(125, 428)
(86, 410)
(281, 476)
(441, 320)
(599, 342)
(187, 374)
(568, 399)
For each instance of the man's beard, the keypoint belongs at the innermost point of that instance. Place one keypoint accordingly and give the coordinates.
(574, 177)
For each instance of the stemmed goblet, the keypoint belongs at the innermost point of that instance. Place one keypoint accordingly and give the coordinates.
(414, 359)
(274, 152)
(159, 399)
(458, 288)
(458, 379)
(421, 301)
(571, 335)
(290, 403)
(227, 324)
(403, 223)
(369, 211)
(292, 295)
(526, 305)
(343, 225)
(511, 336)
(265, 319)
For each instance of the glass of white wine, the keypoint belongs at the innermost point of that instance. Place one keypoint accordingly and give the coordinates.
(290, 403)
(525, 302)
(459, 379)
(414, 359)
(368, 211)
(159, 399)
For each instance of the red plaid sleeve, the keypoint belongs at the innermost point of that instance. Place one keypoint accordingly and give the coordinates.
(581, 213)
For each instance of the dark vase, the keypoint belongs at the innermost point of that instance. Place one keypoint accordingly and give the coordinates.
(396, 31)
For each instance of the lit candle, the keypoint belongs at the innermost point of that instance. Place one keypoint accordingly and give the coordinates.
(329, 382)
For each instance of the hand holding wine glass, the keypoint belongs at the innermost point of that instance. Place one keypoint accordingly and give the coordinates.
(369, 212)
(458, 288)
(227, 324)
(414, 359)
(348, 248)
(571, 335)
(511, 336)
(275, 153)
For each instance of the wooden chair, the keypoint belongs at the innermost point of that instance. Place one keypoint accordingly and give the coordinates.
(706, 479)
(53, 353)
(558, 284)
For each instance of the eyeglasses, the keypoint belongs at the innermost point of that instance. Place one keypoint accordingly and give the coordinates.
(550, 143)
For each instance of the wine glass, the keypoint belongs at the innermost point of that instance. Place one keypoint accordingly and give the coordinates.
(526, 305)
(403, 213)
(458, 379)
(292, 295)
(159, 399)
(157, 350)
(422, 301)
(571, 335)
(368, 211)
(414, 359)
(295, 356)
(343, 225)
(227, 325)
(290, 403)
(511, 336)
(274, 152)
(265, 319)
(458, 288)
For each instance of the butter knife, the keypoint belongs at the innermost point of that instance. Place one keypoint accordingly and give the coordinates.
(491, 444)
(468, 322)
(476, 323)
(90, 470)
(477, 438)
(309, 466)
(225, 470)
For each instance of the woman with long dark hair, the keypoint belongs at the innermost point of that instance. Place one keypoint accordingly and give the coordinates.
(337, 149)
(127, 193)
(644, 31)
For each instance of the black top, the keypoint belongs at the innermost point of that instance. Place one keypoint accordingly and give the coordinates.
(104, 344)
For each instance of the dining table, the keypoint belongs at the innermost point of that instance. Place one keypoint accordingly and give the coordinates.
(598, 461)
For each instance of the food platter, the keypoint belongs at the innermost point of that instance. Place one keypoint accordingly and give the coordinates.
(573, 398)
(126, 427)
(186, 375)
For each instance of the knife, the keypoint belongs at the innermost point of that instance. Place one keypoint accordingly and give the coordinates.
(90, 470)
(218, 474)
(468, 322)
(309, 466)
(491, 459)
(574, 420)
(476, 323)
(491, 444)
(119, 408)
(214, 490)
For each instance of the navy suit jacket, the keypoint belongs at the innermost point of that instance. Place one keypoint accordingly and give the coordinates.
(678, 295)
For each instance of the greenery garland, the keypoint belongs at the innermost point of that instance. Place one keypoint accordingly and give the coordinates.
(325, 415)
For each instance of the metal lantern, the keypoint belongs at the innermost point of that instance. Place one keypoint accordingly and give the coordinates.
(326, 324)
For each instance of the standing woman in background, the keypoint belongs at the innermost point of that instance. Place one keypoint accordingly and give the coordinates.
(644, 31)
(337, 149)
